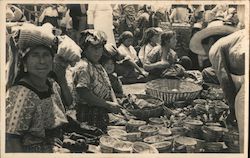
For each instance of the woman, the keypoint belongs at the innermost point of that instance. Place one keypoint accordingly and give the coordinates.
(163, 59)
(150, 39)
(34, 105)
(94, 93)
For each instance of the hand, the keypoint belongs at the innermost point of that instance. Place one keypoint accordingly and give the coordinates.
(60, 71)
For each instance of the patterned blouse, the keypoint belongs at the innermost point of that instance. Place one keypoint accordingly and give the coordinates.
(93, 77)
(29, 113)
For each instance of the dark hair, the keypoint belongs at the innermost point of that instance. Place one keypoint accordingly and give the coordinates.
(148, 34)
(125, 35)
(166, 36)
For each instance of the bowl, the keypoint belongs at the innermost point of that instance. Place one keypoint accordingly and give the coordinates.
(171, 90)
(163, 147)
(123, 147)
(140, 147)
(155, 121)
(193, 124)
(185, 143)
(147, 112)
(133, 137)
(179, 131)
(116, 133)
(154, 139)
(148, 130)
(213, 147)
(133, 125)
(107, 144)
(164, 131)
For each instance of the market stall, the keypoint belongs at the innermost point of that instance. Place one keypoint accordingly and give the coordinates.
(171, 116)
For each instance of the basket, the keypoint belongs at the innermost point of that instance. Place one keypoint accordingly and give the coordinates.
(171, 90)
(163, 147)
(123, 147)
(140, 147)
(146, 113)
(107, 144)
(154, 139)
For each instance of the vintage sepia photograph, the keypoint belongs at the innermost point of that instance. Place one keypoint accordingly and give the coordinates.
(91, 78)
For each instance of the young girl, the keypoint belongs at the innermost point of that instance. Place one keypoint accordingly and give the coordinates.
(126, 48)
(150, 39)
(128, 68)
(163, 59)
(94, 93)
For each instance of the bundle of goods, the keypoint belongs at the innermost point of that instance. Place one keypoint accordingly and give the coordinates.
(171, 90)
(174, 71)
(142, 106)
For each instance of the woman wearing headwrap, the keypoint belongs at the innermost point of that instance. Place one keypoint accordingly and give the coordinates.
(35, 102)
(94, 93)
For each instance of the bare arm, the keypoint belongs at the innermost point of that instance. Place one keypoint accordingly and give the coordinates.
(93, 100)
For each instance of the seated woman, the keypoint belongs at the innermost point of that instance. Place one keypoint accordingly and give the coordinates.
(150, 39)
(35, 103)
(130, 73)
(162, 61)
(94, 94)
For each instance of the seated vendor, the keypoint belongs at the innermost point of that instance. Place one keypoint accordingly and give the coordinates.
(162, 58)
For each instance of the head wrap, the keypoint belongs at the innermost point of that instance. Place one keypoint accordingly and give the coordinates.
(26, 37)
(93, 37)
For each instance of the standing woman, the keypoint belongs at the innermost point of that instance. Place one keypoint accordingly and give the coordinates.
(94, 94)
(150, 39)
(100, 17)
(35, 102)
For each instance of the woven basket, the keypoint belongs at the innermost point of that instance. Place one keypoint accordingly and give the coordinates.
(146, 113)
(171, 90)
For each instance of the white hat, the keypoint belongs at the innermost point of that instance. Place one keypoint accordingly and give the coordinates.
(195, 44)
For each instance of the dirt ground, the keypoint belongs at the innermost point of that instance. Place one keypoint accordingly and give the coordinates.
(137, 88)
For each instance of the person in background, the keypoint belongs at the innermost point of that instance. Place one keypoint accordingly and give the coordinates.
(14, 14)
(50, 15)
(100, 17)
(151, 39)
(125, 14)
(157, 17)
(35, 101)
(125, 45)
(164, 57)
(78, 13)
(95, 97)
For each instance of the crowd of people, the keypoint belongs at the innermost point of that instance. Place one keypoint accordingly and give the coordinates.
(109, 45)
